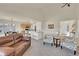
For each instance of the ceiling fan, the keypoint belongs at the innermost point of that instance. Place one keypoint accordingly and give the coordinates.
(66, 4)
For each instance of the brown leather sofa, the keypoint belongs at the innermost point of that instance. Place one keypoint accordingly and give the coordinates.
(15, 44)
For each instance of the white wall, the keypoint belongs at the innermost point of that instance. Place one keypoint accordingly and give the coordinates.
(56, 26)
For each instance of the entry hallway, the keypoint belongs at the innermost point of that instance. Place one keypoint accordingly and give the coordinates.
(38, 49)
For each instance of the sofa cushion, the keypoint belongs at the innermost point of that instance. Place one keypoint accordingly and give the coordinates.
(18, 44)
(11, 43)
(5, 39)
(17, 36)
(6, 51)
(10, 37)
(2, 41)
(19, 39)
(19, 47)
(8, 44)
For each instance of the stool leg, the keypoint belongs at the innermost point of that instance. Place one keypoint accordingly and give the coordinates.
(61, 47)
(51, 44)
(56, 43)
(44, 43)
(74, 52)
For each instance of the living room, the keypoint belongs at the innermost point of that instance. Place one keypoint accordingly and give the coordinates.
(41, 29)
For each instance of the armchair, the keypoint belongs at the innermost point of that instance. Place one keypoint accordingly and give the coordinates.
(48, 39)
(69, 42)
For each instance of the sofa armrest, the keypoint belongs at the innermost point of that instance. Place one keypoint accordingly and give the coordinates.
(25, 38)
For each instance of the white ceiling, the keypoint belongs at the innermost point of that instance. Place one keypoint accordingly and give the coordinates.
(38, 11)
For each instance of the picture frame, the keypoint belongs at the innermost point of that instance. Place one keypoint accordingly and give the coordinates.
(50, 26)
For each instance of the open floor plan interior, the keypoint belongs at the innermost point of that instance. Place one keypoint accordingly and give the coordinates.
(39, 29)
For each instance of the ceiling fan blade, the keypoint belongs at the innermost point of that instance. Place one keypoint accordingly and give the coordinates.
(64, 5)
